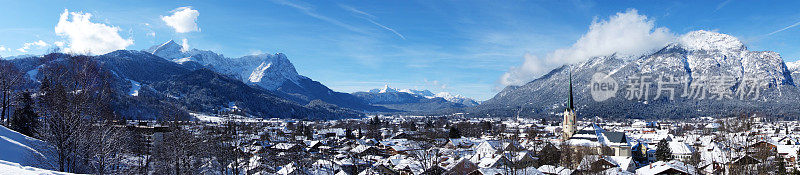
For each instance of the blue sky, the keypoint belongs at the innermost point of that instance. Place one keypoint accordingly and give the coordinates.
(464, 47)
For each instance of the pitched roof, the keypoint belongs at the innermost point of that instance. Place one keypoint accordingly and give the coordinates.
(660, 166)
(550, 169)
(680, 148)
(616, 137)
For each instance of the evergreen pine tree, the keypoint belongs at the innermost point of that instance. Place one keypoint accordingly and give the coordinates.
(638, 156)
(25, 120)
(454, 133)
(780, 165)
(349, 134)
(663, 152)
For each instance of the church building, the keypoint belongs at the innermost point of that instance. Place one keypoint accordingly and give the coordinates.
(593, 135)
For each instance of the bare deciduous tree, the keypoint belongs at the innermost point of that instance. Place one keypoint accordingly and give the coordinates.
(76, 114)
(10, 79)
(427, 158)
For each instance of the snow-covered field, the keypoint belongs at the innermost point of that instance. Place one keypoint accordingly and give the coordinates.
(11, 168)
(18, 154)
(15, 147)
(217, 119)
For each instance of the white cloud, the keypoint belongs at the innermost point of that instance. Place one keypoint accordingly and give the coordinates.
(626, 34)
(435, 83)
(86, 37)
(184, 45)
(523, 74)
(183, 20)
(3, 48)
(60, 44)
(256, 52)
(36, 44)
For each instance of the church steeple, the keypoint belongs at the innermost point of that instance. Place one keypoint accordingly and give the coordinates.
(570, 105)
(568, 125)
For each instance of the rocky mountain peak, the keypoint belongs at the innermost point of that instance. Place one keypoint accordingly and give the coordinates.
(793, 66)
(710, 41)
(275, 68)
(385, 89)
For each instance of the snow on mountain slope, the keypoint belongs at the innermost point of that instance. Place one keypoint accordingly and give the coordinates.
(259, 72)
(699, 59)
(385, 89)
(794, 67)
(273, 72)
(457, 98)
(710, 41)
(15, 147)
(170, 49)
(713, 53)
(253, 69)
(32, 73)
(11, 168)
(135, 86)
(425, 93)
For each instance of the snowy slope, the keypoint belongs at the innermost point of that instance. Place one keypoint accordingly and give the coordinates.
(710, 41)
(135, 86)
(11, 168)
(793, 66)
(15, 147)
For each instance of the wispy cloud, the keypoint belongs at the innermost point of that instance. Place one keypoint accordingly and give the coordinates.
(354, 10)
(387, 28)
(309, 10)
(721, 5)
(785, 28)
(28, 46)
(370, 18)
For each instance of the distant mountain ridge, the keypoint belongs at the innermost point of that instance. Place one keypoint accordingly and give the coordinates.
(414, 100)
(695, 56)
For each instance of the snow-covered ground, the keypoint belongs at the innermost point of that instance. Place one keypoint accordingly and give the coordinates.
(135, 86)
(15, 147)
(11, 168)
(18, 153)
(218, 119)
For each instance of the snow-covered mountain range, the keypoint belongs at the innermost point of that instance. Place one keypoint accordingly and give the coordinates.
(415, 100)
(273, 72)
(455, 98)
(265, 70)
(699, 59)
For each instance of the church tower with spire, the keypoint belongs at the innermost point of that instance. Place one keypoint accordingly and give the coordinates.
(568, 125)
